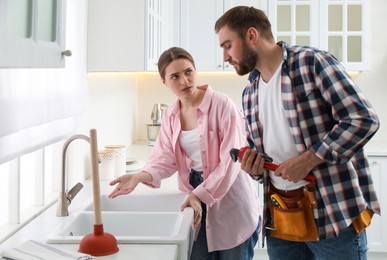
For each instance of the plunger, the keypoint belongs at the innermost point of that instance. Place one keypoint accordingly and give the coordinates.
(98, 243)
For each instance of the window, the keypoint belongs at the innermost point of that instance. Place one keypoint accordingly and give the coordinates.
(27, 187)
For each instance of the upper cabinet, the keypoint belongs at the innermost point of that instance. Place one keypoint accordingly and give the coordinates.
(341, 27)
(32, 34)
(197, 32)
(128, 35)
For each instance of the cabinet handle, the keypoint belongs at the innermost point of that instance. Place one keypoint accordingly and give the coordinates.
(219, 66)
(67, 53)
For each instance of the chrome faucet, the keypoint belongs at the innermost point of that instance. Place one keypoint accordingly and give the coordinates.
(66, 198)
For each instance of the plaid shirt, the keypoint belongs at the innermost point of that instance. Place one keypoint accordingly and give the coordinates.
(329, 115)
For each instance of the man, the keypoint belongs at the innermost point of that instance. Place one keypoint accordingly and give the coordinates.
(303, 110)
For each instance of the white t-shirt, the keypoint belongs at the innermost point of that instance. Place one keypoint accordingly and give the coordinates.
(189, 142)
(277, 138)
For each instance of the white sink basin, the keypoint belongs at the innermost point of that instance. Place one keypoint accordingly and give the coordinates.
(127, 227)
(134, 219)
(142, 203)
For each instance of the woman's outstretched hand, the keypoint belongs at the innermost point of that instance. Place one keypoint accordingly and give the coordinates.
(195, 203)
(126, 184)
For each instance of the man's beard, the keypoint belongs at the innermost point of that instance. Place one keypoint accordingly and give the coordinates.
(248, 61)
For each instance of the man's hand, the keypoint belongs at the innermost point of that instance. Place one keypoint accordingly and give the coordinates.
(297, 168)
(252, 162)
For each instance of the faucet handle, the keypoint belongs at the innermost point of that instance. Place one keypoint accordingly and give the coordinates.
(74, 191)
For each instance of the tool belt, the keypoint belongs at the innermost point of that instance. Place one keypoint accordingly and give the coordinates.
(363, 220)
(292, 216)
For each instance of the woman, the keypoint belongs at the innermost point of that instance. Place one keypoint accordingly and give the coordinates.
(195, 138)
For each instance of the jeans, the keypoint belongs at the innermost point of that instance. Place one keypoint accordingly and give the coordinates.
(347, 246)
(244, 251)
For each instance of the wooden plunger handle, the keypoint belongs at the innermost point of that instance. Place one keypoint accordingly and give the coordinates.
(95, 177)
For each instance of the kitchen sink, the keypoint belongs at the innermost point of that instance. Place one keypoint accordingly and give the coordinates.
(142, 203)
(134, 219)
(127, 227)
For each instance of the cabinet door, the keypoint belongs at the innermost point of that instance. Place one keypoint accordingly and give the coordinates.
(128, 35)
(294, 22)
(342, 27)
(376, 232)
(345, 32)
(32, 33)
(160, 23)
(116, 35)
(198, 35)
(228, 4)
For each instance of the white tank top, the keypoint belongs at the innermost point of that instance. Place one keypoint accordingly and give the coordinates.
(189, 142)
(277, 139)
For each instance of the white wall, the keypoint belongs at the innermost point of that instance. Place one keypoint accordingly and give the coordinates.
(112, 107)
(374, 82)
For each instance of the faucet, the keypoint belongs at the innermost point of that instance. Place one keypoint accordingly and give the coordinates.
(66, 198)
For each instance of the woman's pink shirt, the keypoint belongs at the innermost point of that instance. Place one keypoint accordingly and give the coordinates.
(229, 193)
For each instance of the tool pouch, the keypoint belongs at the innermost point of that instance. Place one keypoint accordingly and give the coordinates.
(363, 220)
(295, 222)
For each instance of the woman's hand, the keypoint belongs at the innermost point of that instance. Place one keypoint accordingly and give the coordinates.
(195, 203)
(126, 184)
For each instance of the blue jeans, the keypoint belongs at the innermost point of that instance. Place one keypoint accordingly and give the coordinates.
(347, 246)
(244, 251)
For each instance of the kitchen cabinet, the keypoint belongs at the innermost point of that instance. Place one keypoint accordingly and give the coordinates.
(197, 30)
(341, 27)
(128, 35)
(377, 239)
(32, 34)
